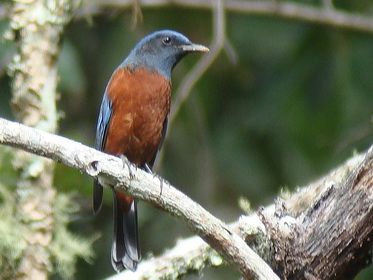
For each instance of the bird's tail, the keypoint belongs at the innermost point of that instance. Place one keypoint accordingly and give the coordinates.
(97, 196)
(125, 252)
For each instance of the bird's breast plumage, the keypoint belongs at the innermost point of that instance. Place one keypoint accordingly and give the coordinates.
(140, 105)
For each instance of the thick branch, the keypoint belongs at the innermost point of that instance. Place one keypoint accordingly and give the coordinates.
(333, 237)
(280, 223)
(341, 223)
(330, 233)
(330, 238)
(142, 185)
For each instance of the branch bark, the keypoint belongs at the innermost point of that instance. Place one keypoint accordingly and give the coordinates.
(193, 255)
(334, 237)
(322, 14)
(322, 231)
(330, 239)
(327, 239)
(151, 188)
(190, 255)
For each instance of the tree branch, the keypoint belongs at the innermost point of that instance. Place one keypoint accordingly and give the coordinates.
(329, 238)
(192, 254)
(334, 237)
(199, 69)
(142, 185)
(188, 255)
(322, 14)
(203, 64)
(271, 238)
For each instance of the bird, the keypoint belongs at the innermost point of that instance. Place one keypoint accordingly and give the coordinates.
(132, 123)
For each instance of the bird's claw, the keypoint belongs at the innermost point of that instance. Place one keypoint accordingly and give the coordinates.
(127, 163)
(161, 183)
(155, 175)
(148, 169)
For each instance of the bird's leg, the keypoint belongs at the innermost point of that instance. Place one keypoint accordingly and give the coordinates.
(149, 170)
(161, 186)
(127, 163)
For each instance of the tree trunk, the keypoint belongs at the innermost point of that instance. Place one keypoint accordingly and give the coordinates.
(37, 27)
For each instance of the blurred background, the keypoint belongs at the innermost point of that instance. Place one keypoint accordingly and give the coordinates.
(296, 103)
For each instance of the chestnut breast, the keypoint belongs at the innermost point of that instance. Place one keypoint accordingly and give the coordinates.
(140, 103)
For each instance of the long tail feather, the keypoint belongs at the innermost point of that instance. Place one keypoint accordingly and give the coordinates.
(97, 196)
(125, 250)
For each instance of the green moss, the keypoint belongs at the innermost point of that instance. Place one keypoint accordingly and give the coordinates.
(12, 242)
(66, 246)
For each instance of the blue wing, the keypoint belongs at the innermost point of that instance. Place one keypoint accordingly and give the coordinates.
(103, 122)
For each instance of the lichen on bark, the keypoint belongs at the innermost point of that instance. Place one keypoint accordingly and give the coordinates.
(36, 27)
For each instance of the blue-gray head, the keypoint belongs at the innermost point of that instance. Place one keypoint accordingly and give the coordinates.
(161, 51)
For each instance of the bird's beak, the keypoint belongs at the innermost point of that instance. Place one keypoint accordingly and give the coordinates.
(194, 48)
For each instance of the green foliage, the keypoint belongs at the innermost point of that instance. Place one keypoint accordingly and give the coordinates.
(12, 242)
(68, 247)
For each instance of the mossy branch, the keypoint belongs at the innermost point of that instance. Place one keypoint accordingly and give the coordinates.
(112, 172)
(283, 234)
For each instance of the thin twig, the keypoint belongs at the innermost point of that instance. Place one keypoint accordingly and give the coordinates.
(197, 71)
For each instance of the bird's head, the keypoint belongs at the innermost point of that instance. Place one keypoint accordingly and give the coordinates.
(161, 51)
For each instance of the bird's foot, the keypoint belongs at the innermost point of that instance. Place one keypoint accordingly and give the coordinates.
(127, 163)
(155, 175)
(161, 184)
(148, 169)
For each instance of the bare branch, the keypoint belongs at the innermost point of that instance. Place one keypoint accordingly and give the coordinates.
(254, 232)
(289, 242)
(189, 255)
(197, 71)
(142, 185)
(192, 254)
(200, 68)
(328, 4)
(323, 14)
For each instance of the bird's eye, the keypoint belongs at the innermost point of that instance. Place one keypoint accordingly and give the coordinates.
(166, 40)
